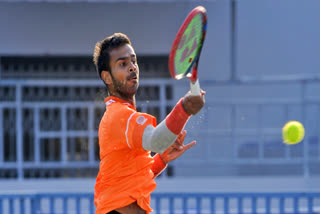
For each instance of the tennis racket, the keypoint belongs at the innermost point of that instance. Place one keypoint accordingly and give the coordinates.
(186, 48)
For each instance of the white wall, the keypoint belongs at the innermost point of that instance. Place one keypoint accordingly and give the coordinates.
(278, 38)
(271, 38)
(74, 28)
(177, 184)
(62, 28)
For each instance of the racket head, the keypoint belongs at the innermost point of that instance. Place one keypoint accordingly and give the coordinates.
(186, 48)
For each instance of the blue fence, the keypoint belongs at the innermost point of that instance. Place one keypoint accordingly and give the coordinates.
(253, 203)
(49, 128)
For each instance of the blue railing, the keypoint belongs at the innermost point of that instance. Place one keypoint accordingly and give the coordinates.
(171, 203)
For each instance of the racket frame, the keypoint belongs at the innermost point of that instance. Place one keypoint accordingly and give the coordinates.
(193, 76)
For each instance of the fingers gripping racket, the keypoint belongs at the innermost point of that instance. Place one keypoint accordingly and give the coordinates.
(186, 48)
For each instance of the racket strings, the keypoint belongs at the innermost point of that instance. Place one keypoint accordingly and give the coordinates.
(188, 46)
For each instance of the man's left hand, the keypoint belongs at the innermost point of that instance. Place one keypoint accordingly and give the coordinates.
(176, 149)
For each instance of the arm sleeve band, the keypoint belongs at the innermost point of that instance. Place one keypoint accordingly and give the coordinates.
(177, 118)
(159, 138)
(158, 165)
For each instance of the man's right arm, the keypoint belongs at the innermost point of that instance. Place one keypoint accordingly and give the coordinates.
(159, 138)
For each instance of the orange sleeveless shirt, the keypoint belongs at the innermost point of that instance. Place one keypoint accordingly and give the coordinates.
(125, 174)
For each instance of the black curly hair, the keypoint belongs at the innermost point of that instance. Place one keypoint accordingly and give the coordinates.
(101, 56)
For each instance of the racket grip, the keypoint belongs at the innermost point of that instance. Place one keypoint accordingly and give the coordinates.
(195, 87)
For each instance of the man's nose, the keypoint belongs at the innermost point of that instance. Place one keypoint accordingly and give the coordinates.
(133, 67)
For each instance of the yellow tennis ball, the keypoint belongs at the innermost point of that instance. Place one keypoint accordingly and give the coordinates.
(292, 132)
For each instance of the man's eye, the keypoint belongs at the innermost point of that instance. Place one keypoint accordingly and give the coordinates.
(123, 64)
(134, 61)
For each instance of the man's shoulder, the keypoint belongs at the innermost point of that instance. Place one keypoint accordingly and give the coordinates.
(113, 106)
(116, 114)
(109, 102)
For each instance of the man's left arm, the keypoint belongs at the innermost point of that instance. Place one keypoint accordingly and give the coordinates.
(170, 154)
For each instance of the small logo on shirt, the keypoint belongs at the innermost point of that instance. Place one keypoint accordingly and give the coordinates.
(141, 120)
(110, 102)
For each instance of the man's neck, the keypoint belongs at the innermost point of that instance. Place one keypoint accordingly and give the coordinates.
(130, 99)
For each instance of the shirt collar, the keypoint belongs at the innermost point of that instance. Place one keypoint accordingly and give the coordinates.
(113, 99)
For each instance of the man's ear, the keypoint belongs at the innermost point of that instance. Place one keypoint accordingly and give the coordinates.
(106, 76)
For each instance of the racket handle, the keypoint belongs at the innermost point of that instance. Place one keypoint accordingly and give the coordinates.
(195, 87)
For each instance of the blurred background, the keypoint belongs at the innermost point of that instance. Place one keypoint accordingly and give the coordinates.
(259, 66)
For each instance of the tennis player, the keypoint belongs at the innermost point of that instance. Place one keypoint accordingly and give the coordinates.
(127, 137)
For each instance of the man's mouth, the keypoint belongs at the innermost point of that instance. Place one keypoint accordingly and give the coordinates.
(133, 76)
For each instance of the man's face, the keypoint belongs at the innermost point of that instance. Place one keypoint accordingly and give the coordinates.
(124, 71)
